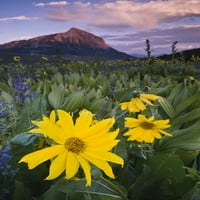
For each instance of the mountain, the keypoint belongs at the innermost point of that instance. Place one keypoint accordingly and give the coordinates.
(73, 43)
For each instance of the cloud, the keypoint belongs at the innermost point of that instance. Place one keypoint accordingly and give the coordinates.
(160, 39)
(53, 3)
(124, 13)
(18, 18)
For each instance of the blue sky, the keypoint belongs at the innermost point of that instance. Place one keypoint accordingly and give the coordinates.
(124, 24)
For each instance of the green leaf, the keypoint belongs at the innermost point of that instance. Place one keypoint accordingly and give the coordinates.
(189, 141)
(167, 107)
(192, 194)
(74, 101)
(4, 87)
(56, 97)
(167, 166)
(53, 194)
(7, 97)
(192, 115)
(175, 93)
(125, 95)
(98, 190)
(24, 139)
(186, 103)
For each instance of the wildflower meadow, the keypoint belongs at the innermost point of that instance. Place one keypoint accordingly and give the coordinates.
(100, 130)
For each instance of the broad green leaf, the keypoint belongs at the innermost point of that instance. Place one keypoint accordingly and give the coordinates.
(167, 166)
(186, 103)
(167, 107)
(74, 101)
(24, 139)
(189, 141)
(4, 87)
(56, 97)
(175, 93)
(189, 116)
(192, 194)
(98, 190)
(125, 95)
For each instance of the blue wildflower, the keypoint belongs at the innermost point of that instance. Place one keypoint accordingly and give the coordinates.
(7, 174)
(1, 104)
(21, 86)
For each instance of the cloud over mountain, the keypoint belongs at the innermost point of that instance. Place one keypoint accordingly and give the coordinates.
(141, 15)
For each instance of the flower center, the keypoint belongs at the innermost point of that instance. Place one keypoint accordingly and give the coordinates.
(147, 125)
(136, 94)
(75, 145)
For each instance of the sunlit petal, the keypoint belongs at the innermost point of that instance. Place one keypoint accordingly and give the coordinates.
(86, 169)
(106, 156)
(103, 165)
(58, 166)
(72, 165)
(66, 123)
(38, 157)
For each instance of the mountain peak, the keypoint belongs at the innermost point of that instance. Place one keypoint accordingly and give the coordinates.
(80, 37)
(75, 30)
(74, 42)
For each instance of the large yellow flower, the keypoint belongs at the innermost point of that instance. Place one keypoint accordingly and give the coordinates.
(77, 144)
(137, 103)
(145, 129)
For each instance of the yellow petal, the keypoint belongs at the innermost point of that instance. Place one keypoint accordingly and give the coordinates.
(83, 122)
(86, 169)
(165, 133)
(50, 129)
(132, 107)
(155, 133)
(142, 118)
(145, 100)
(97, 130)
(131, 122)
(53, 116)
(124, 105)
(162, 124)
(66, 123)
(72, 165)
(104, 143)
(54, 133)
(151, 97)
(150, 119)
(103, 165)
(139, 104)
(148, 138)
(38, 157)
(137, 130)
(106, 156)
(57, 166)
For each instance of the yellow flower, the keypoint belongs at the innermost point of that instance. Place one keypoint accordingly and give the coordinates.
(145, 129)
(44, 58)
(191, 78)
(77, 145)
(45, 73)
(137, 103)
(16, 58)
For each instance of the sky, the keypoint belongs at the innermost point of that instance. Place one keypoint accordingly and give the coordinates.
(124, 24)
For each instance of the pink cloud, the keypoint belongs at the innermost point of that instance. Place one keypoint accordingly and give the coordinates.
(53, 3)
(19, 18)
(144, 15)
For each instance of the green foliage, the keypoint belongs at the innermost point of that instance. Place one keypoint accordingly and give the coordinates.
(165, 170)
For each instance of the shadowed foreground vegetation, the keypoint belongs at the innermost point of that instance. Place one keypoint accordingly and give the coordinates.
(165, 169)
